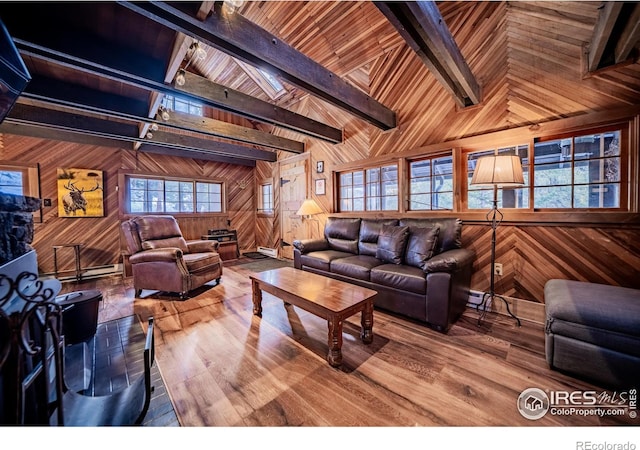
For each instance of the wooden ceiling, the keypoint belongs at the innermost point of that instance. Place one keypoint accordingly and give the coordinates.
(99, 70)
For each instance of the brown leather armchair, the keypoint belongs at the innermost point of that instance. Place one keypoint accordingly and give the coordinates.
(161, 259)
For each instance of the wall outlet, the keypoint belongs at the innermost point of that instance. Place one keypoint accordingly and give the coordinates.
(497, 269)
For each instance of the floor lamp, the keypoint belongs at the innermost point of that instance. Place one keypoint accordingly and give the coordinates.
(310, 208)
(504, 171)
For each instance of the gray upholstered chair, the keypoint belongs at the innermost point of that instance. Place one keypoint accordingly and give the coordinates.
(161, 259)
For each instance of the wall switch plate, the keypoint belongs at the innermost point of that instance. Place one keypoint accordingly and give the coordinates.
(497, 269)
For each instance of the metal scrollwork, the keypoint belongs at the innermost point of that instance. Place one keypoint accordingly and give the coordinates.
(16, 315)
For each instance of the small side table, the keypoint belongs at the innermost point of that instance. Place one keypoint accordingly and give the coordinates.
(76, 252)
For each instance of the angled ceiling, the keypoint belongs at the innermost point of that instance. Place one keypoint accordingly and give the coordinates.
(100, 70)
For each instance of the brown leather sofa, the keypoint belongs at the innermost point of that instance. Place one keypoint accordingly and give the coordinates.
(161, 259)
(417, 266)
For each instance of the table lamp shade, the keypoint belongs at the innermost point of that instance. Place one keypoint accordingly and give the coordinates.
(501, 170)
(309, 208)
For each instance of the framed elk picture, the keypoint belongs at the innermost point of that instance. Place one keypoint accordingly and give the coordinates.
(80, 193)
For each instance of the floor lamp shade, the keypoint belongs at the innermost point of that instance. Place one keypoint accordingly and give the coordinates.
(500, 170)
(309, 208)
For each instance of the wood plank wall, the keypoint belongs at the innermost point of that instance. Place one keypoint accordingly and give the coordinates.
(527, 57)
(101, 236)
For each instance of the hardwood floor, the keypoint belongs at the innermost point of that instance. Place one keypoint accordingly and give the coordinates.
(223, 366)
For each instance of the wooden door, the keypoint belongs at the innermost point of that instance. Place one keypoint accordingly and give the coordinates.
(293, 191)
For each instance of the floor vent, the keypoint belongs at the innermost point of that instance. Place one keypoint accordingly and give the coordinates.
(272, 252)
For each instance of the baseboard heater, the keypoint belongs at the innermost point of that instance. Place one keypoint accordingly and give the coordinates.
(475, 301)
(272, 252)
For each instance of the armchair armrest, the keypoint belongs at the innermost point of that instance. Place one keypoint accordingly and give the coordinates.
(311, 245)
(156, 255)
(202, 246)
(450, 261)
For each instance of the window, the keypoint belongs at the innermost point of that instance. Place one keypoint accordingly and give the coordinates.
(159, 195)
(12, 181)
(578, 171)
(431, 184)
(182, 105)
(19, 179)
(481, 197)
(373, 189)
(266, 198)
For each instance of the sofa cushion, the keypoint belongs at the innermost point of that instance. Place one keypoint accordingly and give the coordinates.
(421, 246)
(358, 266)
(391, 243)
(370, 230)
(321, 260)
(342, 234)
(450, 235)
(400, 276)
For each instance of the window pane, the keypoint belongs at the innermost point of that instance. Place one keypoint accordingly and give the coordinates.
(553, 175)
(420, 169)
(11, 182)
(552, 197)
(443, 200)
(480, 199)
(420, 202)
(596, 196)
(390, 203)
(358, 204)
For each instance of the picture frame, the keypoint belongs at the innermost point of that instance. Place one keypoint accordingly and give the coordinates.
(80, 193)
(321, 186)
(320, 166)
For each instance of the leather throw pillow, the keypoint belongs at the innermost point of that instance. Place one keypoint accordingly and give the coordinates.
(421, 246)
(391, 243)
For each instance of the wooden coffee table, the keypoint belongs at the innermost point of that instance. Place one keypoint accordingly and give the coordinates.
(324, 297)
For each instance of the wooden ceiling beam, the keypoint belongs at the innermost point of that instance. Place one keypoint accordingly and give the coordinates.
(425, 31)
(207, 92)
(607, 17)
(53, 92)
(196, 154)
(77, 123)
(243, 39)
(630, 35)
(234, 132)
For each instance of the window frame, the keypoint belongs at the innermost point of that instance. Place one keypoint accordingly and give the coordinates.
(409, 178)
(626, 119)
(624, 155)
(261, 210)
(367, 185)
(497, 150)
(30, 181)
(125, 195)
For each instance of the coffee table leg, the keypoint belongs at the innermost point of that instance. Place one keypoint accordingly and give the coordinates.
(257, 298)
(366, 333)
(334, 357)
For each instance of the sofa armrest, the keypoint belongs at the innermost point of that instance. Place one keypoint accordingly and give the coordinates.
(311, 245)
(202, 246)
(156, 255)
(450, 261)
